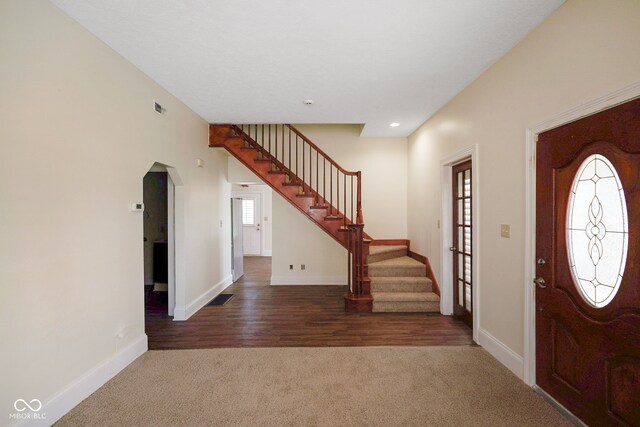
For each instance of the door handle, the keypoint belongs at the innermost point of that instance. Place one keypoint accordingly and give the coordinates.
(453, 249)
(540, 282)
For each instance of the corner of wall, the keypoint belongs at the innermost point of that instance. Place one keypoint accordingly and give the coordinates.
(58, 405)
(501, 352)
(184, 313)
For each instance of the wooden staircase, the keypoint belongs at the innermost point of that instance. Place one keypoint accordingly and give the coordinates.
(322, 190)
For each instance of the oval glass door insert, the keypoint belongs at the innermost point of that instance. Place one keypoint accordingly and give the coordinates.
(597, 231)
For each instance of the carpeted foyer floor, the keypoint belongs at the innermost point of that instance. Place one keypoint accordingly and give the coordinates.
(385, 386)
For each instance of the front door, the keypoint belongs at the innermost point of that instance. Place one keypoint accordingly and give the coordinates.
(462, 253)
(588, 270)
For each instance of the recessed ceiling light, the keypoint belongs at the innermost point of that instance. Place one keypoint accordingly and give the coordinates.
(394, 124)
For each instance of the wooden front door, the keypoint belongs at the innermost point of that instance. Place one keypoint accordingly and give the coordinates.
(588, 271)
(462, 247)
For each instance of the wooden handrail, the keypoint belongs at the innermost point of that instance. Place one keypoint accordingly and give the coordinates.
(274, 149)
(319, 150)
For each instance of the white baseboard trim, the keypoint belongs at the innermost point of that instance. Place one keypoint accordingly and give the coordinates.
(180, 313)
(309, 280)
(501, 352)
(66, 399)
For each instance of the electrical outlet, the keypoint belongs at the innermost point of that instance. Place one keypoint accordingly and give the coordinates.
(290, 266)
(302, 266)
(505, 231)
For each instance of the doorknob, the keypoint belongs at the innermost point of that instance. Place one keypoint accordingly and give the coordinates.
(453, 249)
(540, 282)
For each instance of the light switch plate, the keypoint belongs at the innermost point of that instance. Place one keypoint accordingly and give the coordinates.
(505, 231)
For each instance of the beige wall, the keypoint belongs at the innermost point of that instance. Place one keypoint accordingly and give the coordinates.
(296, 240)
(383, 162)
(586, 49)
(77, 134)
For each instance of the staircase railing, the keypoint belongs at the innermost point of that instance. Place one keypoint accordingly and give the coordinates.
(331, 186)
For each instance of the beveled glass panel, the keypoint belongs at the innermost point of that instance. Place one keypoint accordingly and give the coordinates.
(460, 212)
(460, 184)
(467, 240)
(467, 183)
(467, 211)
(468, 297)
(460, 266)
(460, 292)
(467, 268)
(597, 231)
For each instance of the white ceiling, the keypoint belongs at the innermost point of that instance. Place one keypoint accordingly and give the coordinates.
(362, 61)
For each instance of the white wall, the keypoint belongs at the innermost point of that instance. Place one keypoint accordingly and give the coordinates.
(239, 173)
(77, 134)
(586, 49)
(297, 241)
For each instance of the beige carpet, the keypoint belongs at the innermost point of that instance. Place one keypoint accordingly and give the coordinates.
(386, 386)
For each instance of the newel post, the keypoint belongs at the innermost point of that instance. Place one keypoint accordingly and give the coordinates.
(359, 218)
(358, 298)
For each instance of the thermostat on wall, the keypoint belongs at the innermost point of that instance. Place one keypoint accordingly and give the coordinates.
(137, 207)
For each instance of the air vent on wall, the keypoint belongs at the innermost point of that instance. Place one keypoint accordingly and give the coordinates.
(158, 108)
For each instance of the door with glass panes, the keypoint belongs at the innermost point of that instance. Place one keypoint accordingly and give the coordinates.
(588, 266)
(462, 245)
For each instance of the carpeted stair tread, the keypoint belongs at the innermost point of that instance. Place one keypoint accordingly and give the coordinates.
(405, 296)
(401, 284)
(404, 261)
(381, 253)
(397, 267)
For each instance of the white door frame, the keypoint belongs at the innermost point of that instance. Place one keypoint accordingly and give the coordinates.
(176, 237)
(446, 232)
(175, 241)
(610, 100)
(259, 213)
(171, 247)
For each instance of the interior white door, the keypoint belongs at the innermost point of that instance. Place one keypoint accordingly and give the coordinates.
(251, 224)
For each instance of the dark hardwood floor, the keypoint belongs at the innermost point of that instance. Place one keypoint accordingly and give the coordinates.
(260, 315)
